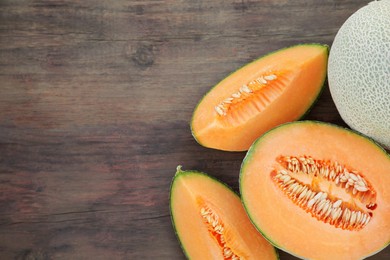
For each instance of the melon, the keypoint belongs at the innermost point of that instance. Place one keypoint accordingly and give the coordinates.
(359, 71)
(211, 222)
(274, 89)
(318, 191)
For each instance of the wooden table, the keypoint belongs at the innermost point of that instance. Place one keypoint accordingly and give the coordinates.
(95, 103)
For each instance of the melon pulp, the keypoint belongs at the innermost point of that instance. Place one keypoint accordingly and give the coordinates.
(211, 222)
(277, 88)
(359, 71)
(318, 191)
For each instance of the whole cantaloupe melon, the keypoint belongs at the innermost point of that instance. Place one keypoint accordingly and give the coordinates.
(359, 71)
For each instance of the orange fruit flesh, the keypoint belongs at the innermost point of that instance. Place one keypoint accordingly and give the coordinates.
(280, 87)
(302, 230)
(211, 222)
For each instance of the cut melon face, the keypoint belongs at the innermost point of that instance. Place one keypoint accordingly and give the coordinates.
(318, 191)
(211, 222)
(277, 88)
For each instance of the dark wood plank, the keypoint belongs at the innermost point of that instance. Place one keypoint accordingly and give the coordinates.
(95, 101)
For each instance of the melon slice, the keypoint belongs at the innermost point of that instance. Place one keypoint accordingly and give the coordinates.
(277, 88)
(318, 191)
(211, 222)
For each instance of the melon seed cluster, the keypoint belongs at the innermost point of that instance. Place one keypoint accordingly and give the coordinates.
(216, 229)
(336, 172)
(245, 90)
(330, 210)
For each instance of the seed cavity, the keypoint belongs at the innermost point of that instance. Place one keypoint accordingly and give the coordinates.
(217, 230)
(324, 206)
(352, 181)
(244, 92)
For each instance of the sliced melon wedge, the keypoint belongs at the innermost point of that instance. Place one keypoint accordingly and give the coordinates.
(318, 191)
(211, 222)
(277, 88)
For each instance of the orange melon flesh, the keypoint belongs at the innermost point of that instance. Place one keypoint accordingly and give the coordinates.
(190, 192)
(297, 76)
(292, 227)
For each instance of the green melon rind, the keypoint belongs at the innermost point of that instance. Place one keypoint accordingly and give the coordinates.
(181, 173)
(252, 150)
(315, 99)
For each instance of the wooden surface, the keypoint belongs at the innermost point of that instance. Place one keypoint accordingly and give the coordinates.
(95, 103)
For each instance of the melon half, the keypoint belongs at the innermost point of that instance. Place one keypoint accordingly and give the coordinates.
(318, 191)
(359, 71)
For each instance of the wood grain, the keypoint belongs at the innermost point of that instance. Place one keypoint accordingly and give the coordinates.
(95, 103)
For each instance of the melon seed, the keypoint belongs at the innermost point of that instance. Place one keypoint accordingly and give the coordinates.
(270, 77)
(337, 204)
